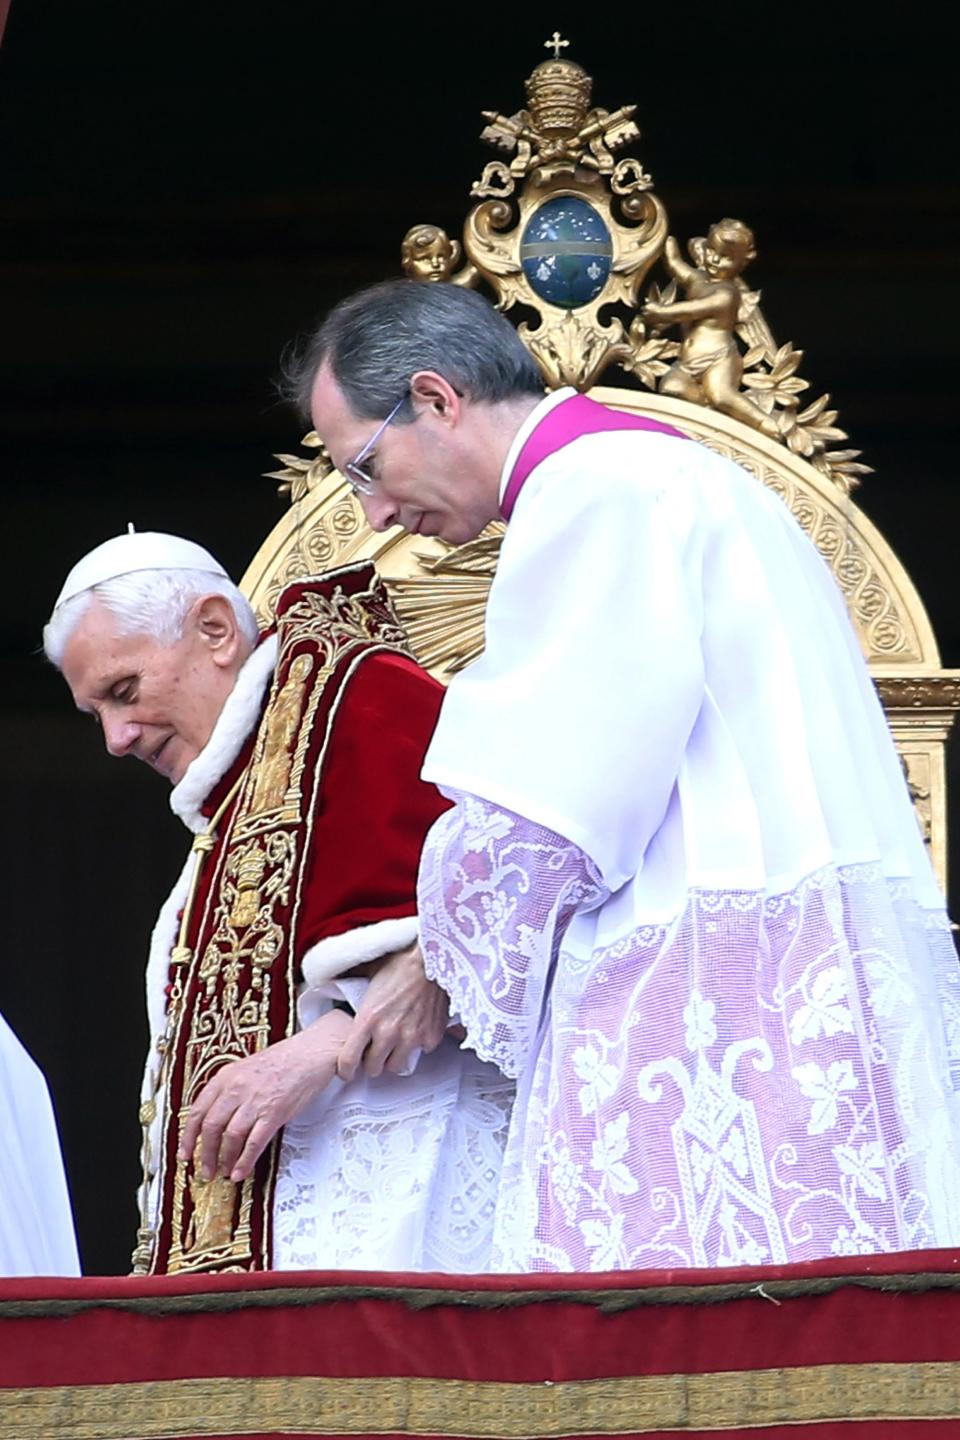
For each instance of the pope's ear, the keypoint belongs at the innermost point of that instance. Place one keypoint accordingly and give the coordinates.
(216, 624)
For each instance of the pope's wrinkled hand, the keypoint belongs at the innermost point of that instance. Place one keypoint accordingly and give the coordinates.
(402, 1015)
(239, 1111)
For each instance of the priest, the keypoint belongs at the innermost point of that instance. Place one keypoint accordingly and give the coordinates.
(294, 760)
(681, 896)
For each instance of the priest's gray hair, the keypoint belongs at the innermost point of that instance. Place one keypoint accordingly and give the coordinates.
(147, 602)
(376, 340)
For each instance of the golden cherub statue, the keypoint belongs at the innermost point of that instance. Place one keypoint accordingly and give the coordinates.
(428, 253)
(718, 306)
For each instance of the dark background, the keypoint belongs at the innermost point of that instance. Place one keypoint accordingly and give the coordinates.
(184, 187)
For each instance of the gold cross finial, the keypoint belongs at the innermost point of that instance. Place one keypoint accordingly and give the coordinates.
(555, 44)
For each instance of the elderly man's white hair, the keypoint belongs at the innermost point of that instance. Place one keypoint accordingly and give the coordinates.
(147, 602)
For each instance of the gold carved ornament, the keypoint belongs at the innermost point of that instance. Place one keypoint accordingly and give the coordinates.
(697, 352)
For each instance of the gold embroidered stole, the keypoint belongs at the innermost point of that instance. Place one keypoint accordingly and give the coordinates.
(234, 970)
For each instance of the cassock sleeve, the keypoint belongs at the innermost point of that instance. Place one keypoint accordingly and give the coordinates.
(371, 816)
(578, 713)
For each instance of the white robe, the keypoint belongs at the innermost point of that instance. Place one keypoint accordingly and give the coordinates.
(691, 910)
(36, 1224)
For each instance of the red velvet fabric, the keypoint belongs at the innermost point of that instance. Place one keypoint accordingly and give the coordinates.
(901, 1312)
(545, 1328)
(375, 809)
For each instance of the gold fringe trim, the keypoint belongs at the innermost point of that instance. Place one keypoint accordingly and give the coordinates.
(483, 1410)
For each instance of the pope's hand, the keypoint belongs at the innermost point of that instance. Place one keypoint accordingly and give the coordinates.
(239, 1111)
(402, 1013)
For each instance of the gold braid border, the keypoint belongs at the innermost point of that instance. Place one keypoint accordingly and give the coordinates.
(484, 1410)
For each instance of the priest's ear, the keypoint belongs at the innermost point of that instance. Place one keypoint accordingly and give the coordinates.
(214, 623)
(429, 391)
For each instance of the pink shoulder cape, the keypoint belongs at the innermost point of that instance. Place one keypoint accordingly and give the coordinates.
(567, 422)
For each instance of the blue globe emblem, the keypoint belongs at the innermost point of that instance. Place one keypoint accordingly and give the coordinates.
(566, 252)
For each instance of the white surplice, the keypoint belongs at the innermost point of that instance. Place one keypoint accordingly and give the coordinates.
(683, 897)
(36, 1223)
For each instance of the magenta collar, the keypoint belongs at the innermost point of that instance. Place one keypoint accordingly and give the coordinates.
(567, 422)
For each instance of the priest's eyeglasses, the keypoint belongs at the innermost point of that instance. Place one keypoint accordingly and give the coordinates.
(361, 482)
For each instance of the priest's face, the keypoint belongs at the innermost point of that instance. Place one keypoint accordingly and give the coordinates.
(430, 474)
(157, 702)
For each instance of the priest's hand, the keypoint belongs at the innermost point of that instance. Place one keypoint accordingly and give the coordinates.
(402, 1013)
(238, 1112)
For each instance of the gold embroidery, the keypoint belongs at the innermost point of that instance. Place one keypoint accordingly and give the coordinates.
(281, 724)
(248, 866)
(488, 1409)
(180, 956)
(211, 1223)
(230, 1023)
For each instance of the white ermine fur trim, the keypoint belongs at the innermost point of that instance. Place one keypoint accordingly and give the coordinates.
(330, 958)
(234, 723)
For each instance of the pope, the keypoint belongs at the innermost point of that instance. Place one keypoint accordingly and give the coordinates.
(294, 759)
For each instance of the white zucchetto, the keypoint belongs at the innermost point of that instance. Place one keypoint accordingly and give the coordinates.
(124, 554)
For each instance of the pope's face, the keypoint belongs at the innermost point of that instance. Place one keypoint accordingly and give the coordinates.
(157, 702)
(425, 477)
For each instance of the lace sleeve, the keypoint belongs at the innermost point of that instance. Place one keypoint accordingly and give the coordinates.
(496, 893)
